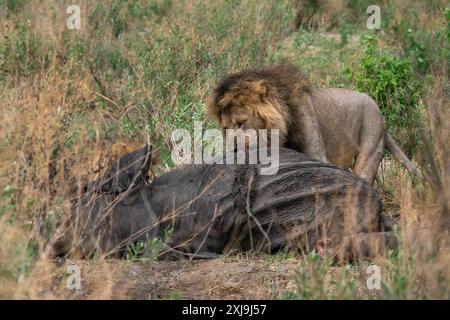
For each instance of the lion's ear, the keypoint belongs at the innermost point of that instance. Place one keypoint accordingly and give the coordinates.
(259, 88)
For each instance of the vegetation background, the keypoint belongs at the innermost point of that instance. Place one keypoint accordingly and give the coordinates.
(139, 69)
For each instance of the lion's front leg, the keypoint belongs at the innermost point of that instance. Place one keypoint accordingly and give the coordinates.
(309, 135)
(314, 145)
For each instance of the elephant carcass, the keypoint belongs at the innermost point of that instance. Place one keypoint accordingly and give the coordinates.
(209, 209)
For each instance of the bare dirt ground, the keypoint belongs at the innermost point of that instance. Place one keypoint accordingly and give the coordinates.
(215, 279)
(224, 278)
(240, 277)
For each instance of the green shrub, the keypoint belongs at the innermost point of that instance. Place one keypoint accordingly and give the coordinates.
(148, 250)
(426, 47)
(390, 81)
(423, 47)
(447, 19)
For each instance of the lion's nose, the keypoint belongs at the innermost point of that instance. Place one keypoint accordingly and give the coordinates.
(239, 124)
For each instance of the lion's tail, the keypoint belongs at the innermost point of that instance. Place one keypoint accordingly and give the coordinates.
(398, 154)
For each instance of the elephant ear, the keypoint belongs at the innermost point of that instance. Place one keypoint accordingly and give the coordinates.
(127, 172)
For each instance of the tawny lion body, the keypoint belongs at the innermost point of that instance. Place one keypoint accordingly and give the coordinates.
(339, 126)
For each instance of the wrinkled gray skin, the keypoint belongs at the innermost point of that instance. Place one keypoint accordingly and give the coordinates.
(215, 209)
(342, 126)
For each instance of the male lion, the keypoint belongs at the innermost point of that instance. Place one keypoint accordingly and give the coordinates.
(330, 124)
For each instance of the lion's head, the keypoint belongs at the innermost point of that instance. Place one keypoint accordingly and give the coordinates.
(257, 99)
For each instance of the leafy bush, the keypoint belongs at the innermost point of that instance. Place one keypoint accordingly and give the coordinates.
(425, 47)
(390, 81)
(148, 250)
(447, 19)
